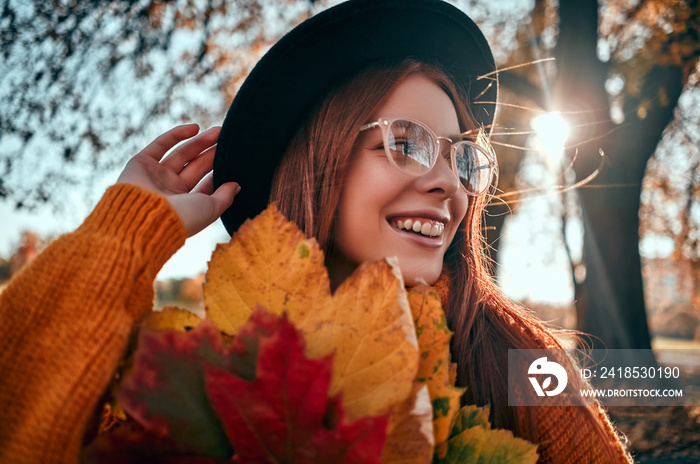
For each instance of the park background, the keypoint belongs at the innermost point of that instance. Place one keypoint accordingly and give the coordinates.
(596, 221)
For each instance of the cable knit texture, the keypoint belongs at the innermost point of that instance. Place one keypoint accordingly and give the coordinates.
(66, 319)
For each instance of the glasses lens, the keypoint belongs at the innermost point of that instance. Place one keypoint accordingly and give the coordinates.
(473, 167)
(411, 146)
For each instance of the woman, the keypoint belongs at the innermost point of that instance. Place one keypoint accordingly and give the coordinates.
(357, 124)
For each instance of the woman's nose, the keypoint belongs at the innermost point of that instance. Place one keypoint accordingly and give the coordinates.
(441, 178)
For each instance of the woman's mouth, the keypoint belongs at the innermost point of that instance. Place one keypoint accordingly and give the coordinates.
(422, 226)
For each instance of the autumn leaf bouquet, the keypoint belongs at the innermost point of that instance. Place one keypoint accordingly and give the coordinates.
(283, 371)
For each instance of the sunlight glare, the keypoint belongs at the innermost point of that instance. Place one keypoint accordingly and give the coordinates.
(551, 131)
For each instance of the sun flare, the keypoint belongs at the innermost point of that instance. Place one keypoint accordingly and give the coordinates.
(551, 131)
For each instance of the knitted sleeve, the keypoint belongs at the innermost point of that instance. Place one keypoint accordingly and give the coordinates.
(66, 318)
(568, 434)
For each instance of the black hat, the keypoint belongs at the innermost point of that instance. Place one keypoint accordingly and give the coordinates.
(297, 73)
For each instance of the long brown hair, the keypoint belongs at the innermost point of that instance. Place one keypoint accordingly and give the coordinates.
(485, 323)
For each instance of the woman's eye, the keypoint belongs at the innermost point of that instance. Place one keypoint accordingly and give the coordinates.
(403, 146)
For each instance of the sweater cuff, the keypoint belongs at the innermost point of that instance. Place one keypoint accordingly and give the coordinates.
(142, 220)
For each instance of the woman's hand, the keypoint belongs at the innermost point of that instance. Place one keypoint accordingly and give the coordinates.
(184, 176)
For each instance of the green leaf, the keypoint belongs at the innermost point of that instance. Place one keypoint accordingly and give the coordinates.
(472, 441)
(468, 417)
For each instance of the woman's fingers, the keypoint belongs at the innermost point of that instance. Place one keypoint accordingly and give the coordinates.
(223, 198)
(200, 208)
(191, 149)
(206, 185)
(196, 169)
(182, 176)
(164, 142)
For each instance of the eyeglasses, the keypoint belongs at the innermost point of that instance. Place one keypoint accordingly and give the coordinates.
(414, 148)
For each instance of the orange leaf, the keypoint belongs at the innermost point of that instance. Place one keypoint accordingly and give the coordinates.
(410, 434)
(434, 365)
(368, 327)
(172, 318)
(268, 262)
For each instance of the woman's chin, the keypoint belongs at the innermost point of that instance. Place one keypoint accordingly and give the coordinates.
(417, 275)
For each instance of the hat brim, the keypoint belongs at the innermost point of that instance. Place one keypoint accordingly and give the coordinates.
(301, 68)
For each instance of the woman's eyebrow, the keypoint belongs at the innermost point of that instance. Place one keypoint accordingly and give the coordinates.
(368, 138)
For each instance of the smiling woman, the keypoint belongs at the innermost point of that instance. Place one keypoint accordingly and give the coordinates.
(410, 213)
(375, 196)
(368, 126)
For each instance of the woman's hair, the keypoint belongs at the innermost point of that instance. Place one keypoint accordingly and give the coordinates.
(307, 188)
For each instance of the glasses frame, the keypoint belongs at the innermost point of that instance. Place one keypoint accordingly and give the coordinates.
(384, 123)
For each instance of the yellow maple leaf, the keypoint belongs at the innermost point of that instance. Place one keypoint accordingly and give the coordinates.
(434, 368)
(368, 327)
(367, 324)
(268, 262)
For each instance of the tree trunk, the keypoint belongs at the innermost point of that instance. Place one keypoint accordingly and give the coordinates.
(612, 308)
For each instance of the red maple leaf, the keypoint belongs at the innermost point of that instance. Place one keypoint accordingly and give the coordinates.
(193, 398)
(165, 392)
(285, 415)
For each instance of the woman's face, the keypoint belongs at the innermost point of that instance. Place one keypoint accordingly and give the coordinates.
(377, 197)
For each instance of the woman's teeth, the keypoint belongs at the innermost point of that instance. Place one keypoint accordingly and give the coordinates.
(423, 228)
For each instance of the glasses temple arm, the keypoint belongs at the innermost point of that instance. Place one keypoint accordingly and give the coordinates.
(369, 126)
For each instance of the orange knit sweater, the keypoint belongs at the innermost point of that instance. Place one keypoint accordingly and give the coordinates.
(66, 319)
